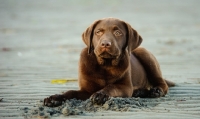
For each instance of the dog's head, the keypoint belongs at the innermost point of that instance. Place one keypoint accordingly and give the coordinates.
(110, 37)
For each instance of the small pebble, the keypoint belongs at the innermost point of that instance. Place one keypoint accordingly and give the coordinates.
(25, 108)
(25, 111)
(41, 108)
(66, 111)
(41, 114)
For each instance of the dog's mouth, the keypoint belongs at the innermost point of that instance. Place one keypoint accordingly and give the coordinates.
(107, 55)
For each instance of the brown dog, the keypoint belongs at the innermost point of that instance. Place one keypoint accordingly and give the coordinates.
(113, 65)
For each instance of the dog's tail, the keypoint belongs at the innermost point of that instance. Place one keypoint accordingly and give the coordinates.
(170, 83)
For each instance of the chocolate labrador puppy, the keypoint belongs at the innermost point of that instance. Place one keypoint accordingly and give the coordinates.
(112, 65)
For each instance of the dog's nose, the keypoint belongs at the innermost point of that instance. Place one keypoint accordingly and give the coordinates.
(105, 43)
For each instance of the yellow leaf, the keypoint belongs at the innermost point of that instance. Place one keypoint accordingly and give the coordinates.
(62, 81)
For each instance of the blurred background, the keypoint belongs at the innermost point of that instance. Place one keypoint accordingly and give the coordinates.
(41, 40)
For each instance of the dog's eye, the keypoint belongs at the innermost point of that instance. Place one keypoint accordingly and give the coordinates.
(99, 32)
(117, 33)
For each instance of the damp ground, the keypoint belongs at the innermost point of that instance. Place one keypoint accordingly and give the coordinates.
(78, 107)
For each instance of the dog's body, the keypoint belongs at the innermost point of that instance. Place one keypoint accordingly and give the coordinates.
(113, 65)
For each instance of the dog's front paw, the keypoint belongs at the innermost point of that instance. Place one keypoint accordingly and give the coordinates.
(54, 100)
(142, 93)
(156, 92)
(99, 98)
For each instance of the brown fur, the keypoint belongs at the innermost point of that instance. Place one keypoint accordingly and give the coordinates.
(112, 65)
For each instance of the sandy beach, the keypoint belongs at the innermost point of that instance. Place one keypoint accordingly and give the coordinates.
(41, 41)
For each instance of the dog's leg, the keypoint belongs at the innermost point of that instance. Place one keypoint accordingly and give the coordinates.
(58, 99)
(100, 97)
(159, 87)
(121, 89)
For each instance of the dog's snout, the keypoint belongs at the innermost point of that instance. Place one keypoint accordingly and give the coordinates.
(105, 43)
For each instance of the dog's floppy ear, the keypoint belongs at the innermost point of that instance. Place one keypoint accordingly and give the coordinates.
(133, 39)
(88, 35)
